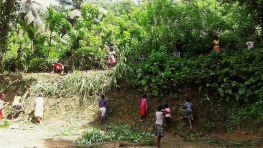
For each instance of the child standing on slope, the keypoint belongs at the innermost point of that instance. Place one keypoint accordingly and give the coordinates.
(39, 108)
(103, 104)
(2, 106)
(159, 133)
(188, 112)
(167, 116)
(143, 107)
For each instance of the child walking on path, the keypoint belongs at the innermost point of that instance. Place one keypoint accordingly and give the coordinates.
(143, 107)
(159, 133)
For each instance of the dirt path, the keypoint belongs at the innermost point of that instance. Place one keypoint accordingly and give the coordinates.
(56, 134)
(20, 138)
(172, 141)
(20, 135)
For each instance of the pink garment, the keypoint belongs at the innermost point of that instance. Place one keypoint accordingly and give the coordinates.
(143, 107)
(167, 112)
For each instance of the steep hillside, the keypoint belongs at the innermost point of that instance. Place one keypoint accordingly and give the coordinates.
(68, 114)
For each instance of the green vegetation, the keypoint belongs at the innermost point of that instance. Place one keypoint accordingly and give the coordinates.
(4, 124)
(122, 132)
(144, 37)
(231, 77)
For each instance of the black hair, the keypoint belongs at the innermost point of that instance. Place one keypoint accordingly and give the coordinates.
(102, 96)
(19, 93)
(216, 37)
(187, 100)
(144, 96)
(160, 107)
(166, 105)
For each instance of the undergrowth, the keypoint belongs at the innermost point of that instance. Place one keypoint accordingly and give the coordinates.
(122, 132)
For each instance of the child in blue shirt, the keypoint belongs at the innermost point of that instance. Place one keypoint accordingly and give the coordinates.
(188, 112)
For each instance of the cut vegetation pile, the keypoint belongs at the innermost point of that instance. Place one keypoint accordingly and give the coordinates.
(82, 84)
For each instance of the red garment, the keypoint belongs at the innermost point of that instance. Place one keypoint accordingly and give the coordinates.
(111, 61)
(57, 67)
(143, 107)
(2, 113)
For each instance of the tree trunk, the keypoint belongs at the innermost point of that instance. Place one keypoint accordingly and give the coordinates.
(50, 41)
(1, 59)
(19, 58)
(6, 9)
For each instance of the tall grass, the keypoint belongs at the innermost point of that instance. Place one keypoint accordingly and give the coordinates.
(78, 83)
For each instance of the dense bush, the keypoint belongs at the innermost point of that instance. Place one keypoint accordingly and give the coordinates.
(234, 77)
(39, 65)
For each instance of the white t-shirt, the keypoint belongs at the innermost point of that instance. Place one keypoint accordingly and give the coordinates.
(112, 52)
(39, 106)
(16, 100)
(250, 44)
(159, 118)
(1, 104)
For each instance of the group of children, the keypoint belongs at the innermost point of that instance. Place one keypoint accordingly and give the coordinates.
(18, 107)
(162, 115)
(216, 43)
(163, 118)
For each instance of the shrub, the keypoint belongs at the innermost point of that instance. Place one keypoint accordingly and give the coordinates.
(39, 65)
(92, 136)
(4, 124)
(122, 132)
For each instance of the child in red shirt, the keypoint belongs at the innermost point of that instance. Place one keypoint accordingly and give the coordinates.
(58, 68)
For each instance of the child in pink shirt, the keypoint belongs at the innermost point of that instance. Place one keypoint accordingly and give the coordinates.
(167, 116)
(143, 107)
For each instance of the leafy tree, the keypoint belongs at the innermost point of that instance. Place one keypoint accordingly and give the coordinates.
(255, 8)
(56, 21)
(75, 3)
